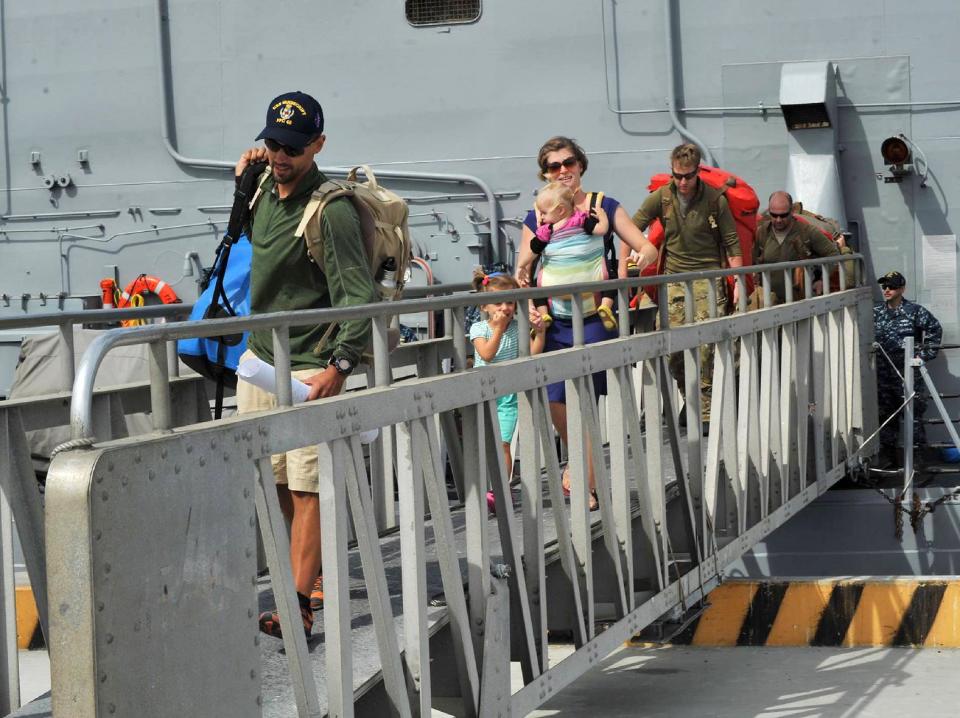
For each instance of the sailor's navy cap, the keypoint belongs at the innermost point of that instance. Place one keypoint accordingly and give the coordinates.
(895, 280)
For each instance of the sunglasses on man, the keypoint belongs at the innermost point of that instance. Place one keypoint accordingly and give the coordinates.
(569, 163)
(289, 151)
(680, 176)
(780, 215)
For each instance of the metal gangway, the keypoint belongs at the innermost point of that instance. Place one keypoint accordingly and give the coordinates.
(23, 416)
(151, 540)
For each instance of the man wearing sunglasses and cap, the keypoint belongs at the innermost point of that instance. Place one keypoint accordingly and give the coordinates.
(699, 234)
(782, 238)
(283, 278)
(895, 318)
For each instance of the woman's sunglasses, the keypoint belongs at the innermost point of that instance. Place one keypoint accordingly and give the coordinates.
(569, 163)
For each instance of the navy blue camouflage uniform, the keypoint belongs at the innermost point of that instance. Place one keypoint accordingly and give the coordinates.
(891, 326)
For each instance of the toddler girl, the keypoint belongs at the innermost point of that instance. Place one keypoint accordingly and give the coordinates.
(496, 339)
(560, 220)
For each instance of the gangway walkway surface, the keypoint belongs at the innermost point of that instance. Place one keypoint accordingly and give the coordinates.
(278, 698)
(277, 692)
(151, 540)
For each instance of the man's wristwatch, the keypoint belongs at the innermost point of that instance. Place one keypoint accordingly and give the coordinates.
(343, 365)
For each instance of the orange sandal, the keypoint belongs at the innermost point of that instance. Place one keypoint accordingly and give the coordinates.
(270, 620)
(316, 594)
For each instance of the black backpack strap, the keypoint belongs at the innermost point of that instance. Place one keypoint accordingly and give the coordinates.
(609, 245)
(715, 193)
(248, 186)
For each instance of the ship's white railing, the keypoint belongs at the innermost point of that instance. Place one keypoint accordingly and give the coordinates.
(152, 540)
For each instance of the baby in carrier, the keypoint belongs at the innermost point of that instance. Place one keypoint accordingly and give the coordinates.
(559, 220)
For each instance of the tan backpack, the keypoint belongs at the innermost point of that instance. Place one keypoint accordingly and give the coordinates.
(383, 223)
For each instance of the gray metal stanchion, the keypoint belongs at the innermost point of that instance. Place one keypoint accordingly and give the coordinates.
(907, 413)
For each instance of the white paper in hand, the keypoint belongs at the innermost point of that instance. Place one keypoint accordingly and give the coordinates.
(262, 375)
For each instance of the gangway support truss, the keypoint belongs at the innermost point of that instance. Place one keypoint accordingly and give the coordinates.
(151, 541)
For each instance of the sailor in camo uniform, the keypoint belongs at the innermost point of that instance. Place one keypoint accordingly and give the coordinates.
(896, 318)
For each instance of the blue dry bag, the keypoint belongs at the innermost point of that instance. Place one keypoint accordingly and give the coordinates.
(227, 294)
(216, 357)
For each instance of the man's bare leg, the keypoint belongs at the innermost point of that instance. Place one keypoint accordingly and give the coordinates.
(286, 503)
(305, 554)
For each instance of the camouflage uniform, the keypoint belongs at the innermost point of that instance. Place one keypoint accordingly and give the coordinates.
(801, 241)
(891, 326)
(696, 238)
(676, 304)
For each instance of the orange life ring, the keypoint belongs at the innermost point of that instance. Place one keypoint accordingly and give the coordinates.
(145, 284)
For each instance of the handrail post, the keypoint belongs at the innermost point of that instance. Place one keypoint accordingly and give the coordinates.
(459, 338)
(381, 352)
(160, 403)
(281, 364)
(9, 659)
(623, 311)
(68, 358)
(712, 297)
(742, 293)
(767, 293)
(173, 359)
(577, 306)
(907, 413)
(381, 450)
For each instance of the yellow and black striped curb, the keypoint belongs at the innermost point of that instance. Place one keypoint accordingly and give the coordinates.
(29, 634)
(849, 612)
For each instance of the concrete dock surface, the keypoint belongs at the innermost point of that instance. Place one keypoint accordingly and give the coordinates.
(761, 682)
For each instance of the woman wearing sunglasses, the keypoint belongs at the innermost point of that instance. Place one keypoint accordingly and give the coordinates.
(562, 160)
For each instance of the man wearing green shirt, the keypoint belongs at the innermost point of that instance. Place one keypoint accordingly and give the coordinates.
(283, 278)
(784, 239)
(699, 234)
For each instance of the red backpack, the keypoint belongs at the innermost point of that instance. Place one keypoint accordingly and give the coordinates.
(743, 202)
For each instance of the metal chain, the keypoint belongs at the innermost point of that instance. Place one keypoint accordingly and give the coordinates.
(918, 509)
(897, 516)
(916, 512)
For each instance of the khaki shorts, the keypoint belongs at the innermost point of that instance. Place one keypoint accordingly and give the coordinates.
(299, 468)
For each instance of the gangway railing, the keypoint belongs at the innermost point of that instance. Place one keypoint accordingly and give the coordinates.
(63, 323)
(20, 495)
(152, 539)
(914, 367)
(19, 492)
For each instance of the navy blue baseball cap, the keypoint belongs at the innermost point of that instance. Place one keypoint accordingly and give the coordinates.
(293, 119)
